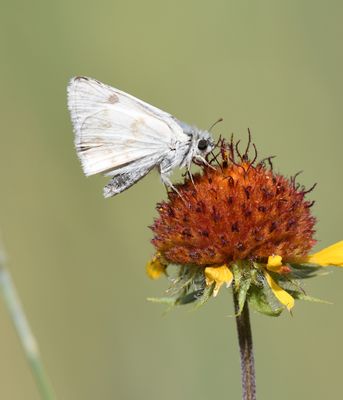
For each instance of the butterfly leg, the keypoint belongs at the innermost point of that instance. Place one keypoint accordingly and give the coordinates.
(204, 162)
(168, 184)
(190, 176)
(165, 170)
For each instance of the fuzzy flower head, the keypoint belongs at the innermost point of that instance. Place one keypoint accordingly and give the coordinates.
(238, 221)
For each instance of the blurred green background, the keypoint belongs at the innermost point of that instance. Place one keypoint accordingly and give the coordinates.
(79, 260)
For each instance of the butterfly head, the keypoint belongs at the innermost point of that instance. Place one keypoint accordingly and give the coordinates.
(203, 144)
(200, 144)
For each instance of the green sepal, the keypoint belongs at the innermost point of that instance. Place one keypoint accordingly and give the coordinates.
(162, 300)
(287, 282)
(198, 297)
(189, 286)
(190, 297)
(237, 276)
(242, 293)
(305, 271)
(208, 291)
(303, 296)
(242, 282)
(259, 300)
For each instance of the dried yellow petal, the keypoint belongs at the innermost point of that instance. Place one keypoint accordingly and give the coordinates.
(155, 268)
(219, 275)
(284, 298)
(274, 263)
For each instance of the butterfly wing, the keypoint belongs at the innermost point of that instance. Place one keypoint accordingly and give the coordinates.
(114, 130)
(128, 175)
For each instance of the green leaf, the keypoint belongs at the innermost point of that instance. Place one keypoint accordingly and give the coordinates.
(162, 300)
(305, 271)
(259, 301)
(242, 274)
(287, 282)
(199, 297)
(303, 296)
(242, 292)
(206, 296)
(237, 275)
(190, 297)
(256, 276)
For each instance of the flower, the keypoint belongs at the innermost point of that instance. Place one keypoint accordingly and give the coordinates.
(239, 222)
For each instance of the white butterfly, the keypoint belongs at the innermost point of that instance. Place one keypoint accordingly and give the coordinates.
(125, 138)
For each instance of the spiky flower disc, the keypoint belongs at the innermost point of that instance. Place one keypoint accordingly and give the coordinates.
(236, 212)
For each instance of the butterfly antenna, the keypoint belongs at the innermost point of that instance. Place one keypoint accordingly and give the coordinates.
(213, 125)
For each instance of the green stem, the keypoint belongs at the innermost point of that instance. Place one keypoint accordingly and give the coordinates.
(246, 350)
(24, 332)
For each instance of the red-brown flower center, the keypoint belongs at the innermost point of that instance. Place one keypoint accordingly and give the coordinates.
(236, 212)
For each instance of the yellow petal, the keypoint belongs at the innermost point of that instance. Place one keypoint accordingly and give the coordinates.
(274, 263)
(332, 255)
(219, 275)
(284, 298)
(155, 268)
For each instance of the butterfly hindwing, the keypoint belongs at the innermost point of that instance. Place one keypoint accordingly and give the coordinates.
(126, 177)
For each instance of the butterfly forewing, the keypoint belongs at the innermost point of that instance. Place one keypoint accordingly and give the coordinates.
(114, 129)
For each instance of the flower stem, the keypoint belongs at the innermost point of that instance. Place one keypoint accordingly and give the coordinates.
(246, 350)
(28, 341)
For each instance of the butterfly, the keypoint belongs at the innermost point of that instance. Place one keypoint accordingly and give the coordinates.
(125, 138)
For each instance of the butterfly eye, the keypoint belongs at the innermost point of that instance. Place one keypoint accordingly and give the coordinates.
(202, 144)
